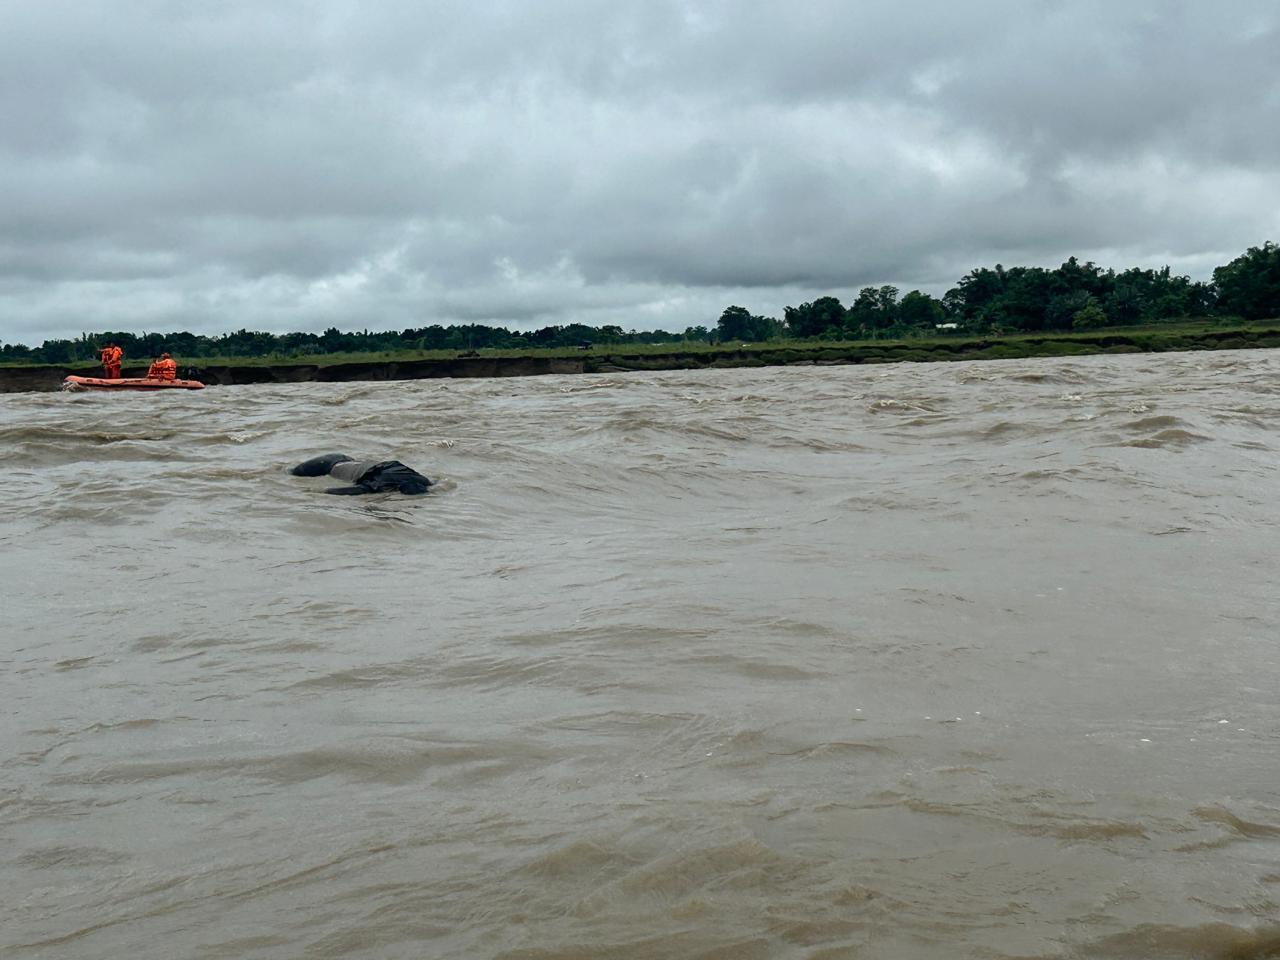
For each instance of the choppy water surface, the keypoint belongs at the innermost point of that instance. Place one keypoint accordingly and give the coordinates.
(912, 661)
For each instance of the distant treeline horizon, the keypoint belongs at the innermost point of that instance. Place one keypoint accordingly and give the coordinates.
(986, 301)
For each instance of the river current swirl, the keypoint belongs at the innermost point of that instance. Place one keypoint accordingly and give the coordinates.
(968, 660)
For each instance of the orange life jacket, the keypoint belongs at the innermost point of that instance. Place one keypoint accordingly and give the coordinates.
(106, 355)
(116, 355)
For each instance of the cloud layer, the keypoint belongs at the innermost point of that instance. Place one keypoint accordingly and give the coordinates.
(299, 165)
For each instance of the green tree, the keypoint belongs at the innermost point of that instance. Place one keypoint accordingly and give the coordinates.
(1062, 308)
(975, 293)
(875, 310)
(1090, 317)
(738, 323)
(1126, 301)
(1249, 286)
(920, 311)
(56, 351)
(734, 324)
(15, 351)
(814, 319)
(766, 328)
(1024, 300)
(1088, 278)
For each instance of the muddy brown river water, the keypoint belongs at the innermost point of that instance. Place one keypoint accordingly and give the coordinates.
(968, 660)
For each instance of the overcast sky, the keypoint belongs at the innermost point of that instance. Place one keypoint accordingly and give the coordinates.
(287, 166)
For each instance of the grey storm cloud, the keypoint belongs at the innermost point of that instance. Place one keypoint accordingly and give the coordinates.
(299, 165)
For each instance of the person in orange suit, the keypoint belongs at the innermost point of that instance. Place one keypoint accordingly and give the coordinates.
(166, 368)
(112, 356)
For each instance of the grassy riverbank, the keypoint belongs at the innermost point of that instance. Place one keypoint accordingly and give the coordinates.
(605, 358)
(1145, 339)
(1166, 338)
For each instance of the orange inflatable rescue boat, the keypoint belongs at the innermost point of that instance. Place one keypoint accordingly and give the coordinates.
(129, 383)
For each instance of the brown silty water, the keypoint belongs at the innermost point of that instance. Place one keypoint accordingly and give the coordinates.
(912, 661)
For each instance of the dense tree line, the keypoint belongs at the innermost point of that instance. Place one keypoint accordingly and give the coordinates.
(1074, 296)
(252, 343)
(995, 300)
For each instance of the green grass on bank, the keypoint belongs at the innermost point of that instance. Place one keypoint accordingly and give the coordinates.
(1186, 335)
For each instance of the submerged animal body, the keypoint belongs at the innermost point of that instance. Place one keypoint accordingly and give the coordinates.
(364, 476)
